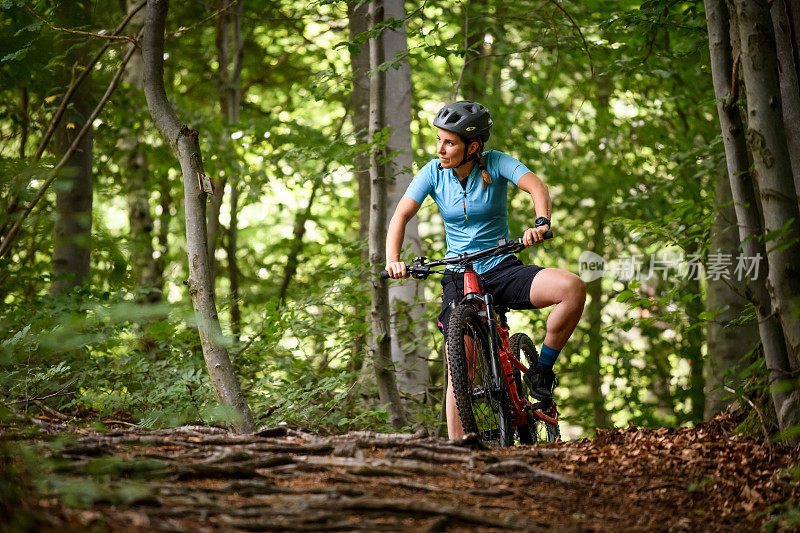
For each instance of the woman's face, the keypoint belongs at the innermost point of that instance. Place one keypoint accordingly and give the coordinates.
(450, 148)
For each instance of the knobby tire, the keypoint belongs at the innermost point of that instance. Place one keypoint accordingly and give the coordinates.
(484, 409)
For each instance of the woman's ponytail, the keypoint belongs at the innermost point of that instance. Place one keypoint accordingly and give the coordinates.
(486, 178)
(477, 156)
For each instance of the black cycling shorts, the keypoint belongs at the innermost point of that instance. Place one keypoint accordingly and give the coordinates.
(509, 283)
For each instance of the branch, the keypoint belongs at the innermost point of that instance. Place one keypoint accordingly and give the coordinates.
(59, 392)
(88, 33)
(6, 244)
(74, 85)
(578, 29)
(28, 400)
(183, 29)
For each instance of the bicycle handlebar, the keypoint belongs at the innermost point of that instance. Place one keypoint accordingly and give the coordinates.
(421, 268)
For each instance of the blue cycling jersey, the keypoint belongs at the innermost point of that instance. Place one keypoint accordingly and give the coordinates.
(474, 217)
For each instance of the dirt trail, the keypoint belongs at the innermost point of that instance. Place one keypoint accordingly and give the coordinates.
(206, 479)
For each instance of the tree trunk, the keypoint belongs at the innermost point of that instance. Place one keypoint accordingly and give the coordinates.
(296, 246)
(23, 123)
(727, 344)
(213, 225)
(233, 262)
(72, 231)
(766, 138)
(146, 273)
(772, 339)
(229, 68)
(145, 270)
(790, 90)
(793, 9)
(594, 289)
(409, 352)
(229, 83)
(594, 318)
(358, 22)
(474, 72)
(185, 145)
(692, 351)
(381, 336)
(499, 61)
(164, 218)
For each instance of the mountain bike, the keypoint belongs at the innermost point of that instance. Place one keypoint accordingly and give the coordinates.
(486, 364)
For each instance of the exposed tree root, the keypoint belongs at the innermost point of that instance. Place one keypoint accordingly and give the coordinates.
(206, 479)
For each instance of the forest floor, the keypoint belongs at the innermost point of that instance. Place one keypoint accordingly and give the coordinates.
(206, 479)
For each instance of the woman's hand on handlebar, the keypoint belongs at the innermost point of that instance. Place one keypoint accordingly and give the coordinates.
(396, 269)
(535, 235)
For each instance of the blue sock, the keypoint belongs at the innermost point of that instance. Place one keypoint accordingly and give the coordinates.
(548, 355)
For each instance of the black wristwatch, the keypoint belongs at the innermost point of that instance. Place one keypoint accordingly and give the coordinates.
(541, 221)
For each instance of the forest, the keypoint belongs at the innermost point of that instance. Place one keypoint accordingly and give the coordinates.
(193, 220)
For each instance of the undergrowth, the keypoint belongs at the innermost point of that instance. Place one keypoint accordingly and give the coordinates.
(106, 356)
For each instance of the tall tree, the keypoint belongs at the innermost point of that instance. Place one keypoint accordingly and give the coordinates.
(787, 54)
(358, 24)
(594, 319)
(230, 53)
(766, 139)
(727, 343)
(473, 80)
(144, 267)
(405, 299)
(73, 222)
(184, 143)
(722, 34)
(381, 336)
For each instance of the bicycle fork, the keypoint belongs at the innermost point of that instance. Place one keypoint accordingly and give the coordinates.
(494, 342)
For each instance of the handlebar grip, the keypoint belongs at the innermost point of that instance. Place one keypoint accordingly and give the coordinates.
(385, 274)
(548, 234)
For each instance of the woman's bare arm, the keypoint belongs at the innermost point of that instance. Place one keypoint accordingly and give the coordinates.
(406, 209)
(530, 183)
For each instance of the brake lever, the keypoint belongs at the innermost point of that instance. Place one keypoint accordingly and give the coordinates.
(419, 272)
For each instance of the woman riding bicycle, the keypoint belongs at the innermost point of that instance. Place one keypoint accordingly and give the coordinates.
(469, 187)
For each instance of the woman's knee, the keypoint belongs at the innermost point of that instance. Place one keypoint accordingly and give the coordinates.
(577, 288)
(554, 286)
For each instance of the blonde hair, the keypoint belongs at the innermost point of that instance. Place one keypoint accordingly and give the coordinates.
(485, 177)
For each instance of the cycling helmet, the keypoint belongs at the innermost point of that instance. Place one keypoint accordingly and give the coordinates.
(468, 119)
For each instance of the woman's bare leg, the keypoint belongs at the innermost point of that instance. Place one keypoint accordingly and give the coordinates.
(567, 292)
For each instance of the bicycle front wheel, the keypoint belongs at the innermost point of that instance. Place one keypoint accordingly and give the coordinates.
(482, 402)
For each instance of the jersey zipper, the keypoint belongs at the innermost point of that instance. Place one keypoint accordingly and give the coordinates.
(464, 201)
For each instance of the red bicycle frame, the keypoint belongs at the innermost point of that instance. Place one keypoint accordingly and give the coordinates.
(474, 288)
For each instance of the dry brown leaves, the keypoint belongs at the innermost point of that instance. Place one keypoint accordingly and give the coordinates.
(706, 474)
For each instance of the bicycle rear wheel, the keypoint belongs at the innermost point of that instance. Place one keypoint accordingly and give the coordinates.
(535, 431)
(484, 408)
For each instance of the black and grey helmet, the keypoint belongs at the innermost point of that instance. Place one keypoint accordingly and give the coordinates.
(468, 119)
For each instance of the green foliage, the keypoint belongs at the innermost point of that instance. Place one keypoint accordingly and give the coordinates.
(610, 103)
(102, 353)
